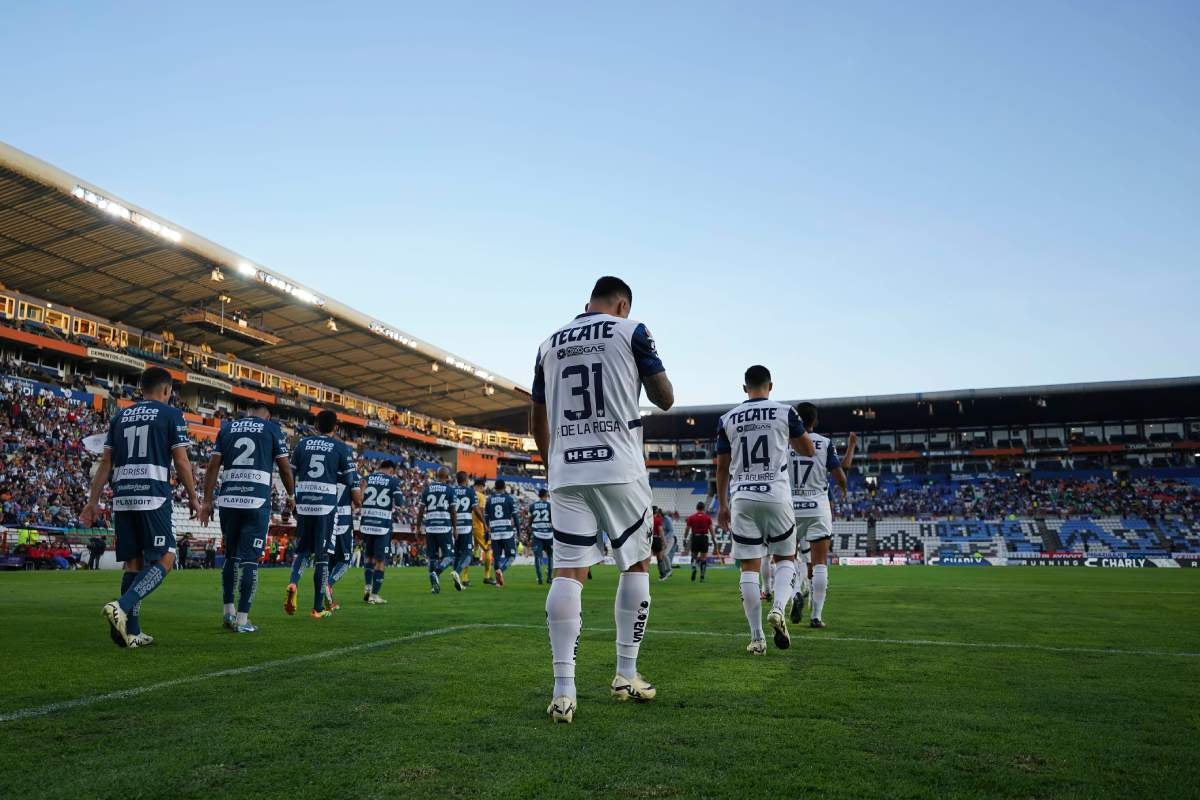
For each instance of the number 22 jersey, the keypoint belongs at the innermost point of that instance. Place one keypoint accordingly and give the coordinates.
(589, 376)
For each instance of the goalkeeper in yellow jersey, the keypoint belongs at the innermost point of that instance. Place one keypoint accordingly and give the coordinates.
(483, 548)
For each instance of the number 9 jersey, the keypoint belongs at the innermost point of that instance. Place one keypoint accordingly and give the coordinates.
(589, 376)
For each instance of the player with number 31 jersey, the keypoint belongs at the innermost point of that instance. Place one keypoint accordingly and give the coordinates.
(587, 382)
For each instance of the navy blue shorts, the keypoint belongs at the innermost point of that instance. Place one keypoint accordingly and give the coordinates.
(543, 547)
(313, 534)
(438, 545)
(245, 531)
(341, 545)
(464, 545)
(377, 546)
(144, 534)
(504, 548)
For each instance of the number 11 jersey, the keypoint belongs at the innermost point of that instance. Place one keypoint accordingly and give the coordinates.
(589, 376)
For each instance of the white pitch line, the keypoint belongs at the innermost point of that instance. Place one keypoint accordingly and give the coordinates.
(122, 694)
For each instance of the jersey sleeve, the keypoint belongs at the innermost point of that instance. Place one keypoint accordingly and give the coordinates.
(722, 438)
(179, 437)
(222, 436)
(278, 443)
(832, 459)
(795, 426)
(112, 432)
(349, 469)
(645, 352)
(538, 391)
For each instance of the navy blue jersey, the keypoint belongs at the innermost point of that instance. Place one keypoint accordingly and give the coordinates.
(501, 515)
(539, 519)
(322, 465)
(379, 499)
(249, 447)
(345, 511)
(436, 499)
(140, 439)
(464, 503)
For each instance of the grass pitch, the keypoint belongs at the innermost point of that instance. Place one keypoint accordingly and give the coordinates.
(928, 682)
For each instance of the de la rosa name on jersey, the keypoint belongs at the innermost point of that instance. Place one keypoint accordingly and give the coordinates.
(322, 464)
(810, 477)
(248, 448)
(141, 439)
(379, 497)
(589, 376)
(755, 434)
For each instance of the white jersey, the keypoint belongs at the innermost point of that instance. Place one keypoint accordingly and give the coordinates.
(810, 477)
(589, 376)
(756, 434)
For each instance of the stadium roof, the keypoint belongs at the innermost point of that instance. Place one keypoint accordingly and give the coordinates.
(71, 242)
(1101, 401)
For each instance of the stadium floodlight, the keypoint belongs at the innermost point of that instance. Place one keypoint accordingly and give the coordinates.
(331, 323)
(217, 275)
(247, 269)
(435, 366)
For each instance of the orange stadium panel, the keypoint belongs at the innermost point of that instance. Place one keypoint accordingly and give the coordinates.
(479, 463)
(43, 342)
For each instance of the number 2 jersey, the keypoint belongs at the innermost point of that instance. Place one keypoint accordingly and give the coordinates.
(589, 376)
(249, 447)
(141, 439)
(379, 499)
(324, 470)
(756, 435)
(810, 478)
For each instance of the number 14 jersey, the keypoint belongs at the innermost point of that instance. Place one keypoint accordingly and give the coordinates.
(589, 376)
(756, 433)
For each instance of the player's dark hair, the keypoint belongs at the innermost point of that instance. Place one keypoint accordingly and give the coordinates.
(326, 421)
(255, 405)
(543, 493)
(611, 288)
(700, 506)
(808, 414)
(499, 487)
(153, 379)
(387, 463)
(461, 477)
(758, 375)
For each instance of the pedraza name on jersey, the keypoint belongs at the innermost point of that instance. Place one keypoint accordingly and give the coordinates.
(584, 333)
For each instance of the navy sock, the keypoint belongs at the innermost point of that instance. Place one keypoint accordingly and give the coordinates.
(142, 585)
(228, 573)
(132, 626)
(337, 571)
(368, 575)
(377, 583)
(247, 586)
(320, 579)
(297, 568)
(537, 567)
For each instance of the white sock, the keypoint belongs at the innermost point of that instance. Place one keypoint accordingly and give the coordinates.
(242, 617)
(752, 604)
(820, 584)
(631, 609)
(229, 608)
(564, 608)
(785, 573)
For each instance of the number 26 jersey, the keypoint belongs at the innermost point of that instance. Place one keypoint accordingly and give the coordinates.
(589, 376)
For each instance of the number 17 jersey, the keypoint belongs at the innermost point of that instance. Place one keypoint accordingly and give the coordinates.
(589, 376)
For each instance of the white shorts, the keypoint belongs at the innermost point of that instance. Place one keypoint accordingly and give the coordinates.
(760, 527)
(622, 510)
(811, 529)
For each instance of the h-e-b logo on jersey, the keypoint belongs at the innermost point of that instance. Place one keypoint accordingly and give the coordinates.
(582, 455)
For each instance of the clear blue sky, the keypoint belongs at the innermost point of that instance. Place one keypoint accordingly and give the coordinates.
(867, 197)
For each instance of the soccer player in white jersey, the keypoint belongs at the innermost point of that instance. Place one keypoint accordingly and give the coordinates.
(755, 498)
(586, 385)
(814, 516)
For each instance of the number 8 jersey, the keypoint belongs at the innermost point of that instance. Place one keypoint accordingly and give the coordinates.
(756, 435)
(589, 376)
